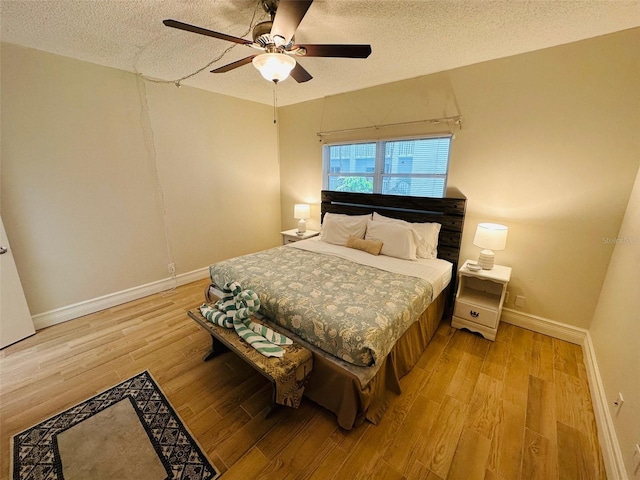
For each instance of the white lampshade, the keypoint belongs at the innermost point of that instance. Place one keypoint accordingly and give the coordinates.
(301, 211)
(492, 236)
(489, 237)
(274, 67)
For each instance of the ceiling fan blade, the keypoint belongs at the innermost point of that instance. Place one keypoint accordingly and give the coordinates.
(288, 16)
(299, 74)
(204, 31)
(336, 50)
(233, 65)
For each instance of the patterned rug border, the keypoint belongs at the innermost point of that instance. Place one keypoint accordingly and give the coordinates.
(56, 424)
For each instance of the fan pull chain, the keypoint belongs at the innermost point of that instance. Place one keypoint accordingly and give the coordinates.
(275, 101)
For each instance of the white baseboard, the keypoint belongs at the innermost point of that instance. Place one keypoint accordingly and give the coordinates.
(609, 444)
(59, 315)
(554, 329)
(611, 452)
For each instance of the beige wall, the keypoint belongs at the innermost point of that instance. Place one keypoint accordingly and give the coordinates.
(83, 147)
(217, 159)
(615, 329)
(549, 147)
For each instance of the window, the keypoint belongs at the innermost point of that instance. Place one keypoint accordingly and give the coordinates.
(414, 166)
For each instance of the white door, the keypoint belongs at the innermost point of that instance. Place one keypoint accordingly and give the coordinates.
(15, 318)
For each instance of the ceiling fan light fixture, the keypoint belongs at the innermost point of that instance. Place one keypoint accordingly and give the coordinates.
(274, 67)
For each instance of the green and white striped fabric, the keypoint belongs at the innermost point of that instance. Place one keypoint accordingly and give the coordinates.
(234, 310)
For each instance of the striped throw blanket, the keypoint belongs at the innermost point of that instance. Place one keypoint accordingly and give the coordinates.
(234, 310)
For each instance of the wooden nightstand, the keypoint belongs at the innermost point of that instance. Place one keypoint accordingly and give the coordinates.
(290, 236)
(480, 298)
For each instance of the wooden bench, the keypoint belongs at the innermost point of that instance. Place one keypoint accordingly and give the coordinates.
(287, 374)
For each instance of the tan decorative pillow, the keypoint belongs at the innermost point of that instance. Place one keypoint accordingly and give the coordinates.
(370, 246)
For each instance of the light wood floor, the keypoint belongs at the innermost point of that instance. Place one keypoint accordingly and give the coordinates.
(515, 408)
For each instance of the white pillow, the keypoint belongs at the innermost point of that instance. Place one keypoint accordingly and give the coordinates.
(337, 228)
(397, 240)
(427, 235)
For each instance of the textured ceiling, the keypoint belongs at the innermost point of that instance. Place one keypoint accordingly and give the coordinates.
(408, 38)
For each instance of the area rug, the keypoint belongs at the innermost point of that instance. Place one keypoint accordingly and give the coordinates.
(130, 431)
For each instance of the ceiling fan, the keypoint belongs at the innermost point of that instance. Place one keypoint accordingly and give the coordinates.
(275, 38)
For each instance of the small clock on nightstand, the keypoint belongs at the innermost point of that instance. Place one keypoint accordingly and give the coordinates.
(480, 298)
(290, 236)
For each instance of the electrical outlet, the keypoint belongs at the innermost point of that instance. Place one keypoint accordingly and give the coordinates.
(617, 404)
(520, 301)
(171, 268)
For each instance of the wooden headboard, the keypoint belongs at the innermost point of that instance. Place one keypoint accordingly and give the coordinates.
(448, 212)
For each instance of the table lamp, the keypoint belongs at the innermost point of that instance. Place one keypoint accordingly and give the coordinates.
(301, 211)
(489, 237)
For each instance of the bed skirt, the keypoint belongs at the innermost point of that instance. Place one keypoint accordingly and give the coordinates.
(340, 392)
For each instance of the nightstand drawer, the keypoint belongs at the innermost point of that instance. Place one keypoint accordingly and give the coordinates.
(476, 314)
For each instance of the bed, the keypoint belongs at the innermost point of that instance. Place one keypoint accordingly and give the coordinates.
(365, 317)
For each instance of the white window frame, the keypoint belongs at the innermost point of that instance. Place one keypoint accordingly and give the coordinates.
(380, 149)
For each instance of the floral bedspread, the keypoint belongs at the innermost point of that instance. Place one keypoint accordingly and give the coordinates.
(355, 312)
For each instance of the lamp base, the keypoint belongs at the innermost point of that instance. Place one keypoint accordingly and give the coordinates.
(302, 227)
(486, 259)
